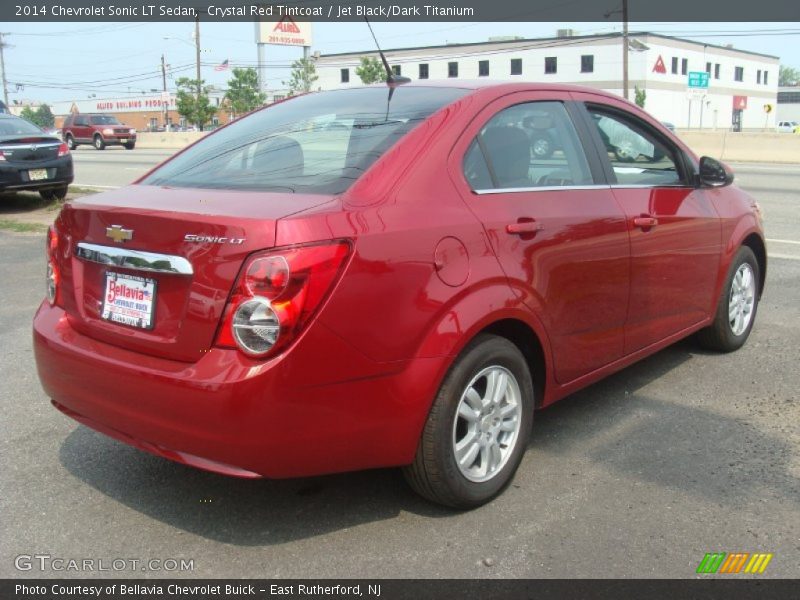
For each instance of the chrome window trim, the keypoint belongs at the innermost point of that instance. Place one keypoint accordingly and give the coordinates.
(647, 186)
(544, 188)
(27, 145)
(119, 257)
(560, 188)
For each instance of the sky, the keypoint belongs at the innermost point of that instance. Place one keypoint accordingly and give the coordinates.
(71, 61)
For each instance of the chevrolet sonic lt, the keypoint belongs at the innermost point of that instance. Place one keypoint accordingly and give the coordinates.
(390, 276)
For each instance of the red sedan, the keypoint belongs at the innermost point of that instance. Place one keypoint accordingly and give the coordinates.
(390, 276)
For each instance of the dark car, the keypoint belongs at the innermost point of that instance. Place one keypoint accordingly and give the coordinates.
(288, 298)
(30, 159)
(98, 130)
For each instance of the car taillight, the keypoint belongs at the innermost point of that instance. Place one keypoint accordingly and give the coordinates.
(276, 294)
(53, 274)
(63, 150)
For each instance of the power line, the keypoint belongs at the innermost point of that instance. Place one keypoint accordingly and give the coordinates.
(80, 31)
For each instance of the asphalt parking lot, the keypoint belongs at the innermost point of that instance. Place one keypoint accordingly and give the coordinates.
(640, 475)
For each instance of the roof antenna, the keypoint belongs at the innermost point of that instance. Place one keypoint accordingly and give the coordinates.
(391, 78)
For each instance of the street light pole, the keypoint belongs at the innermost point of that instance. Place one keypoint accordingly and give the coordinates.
(625, 49)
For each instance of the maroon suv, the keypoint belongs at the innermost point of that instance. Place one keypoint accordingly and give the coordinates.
(99, 130)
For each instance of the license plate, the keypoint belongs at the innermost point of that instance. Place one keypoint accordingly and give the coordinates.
(37, 174)
(129, 300)
(123, 140)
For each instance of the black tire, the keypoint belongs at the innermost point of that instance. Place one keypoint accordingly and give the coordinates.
(434, 474)
(720, 335)
(99, 144)
(542, 146)
(625, 152)
(130, 145)
(51, 194)
(71, 142)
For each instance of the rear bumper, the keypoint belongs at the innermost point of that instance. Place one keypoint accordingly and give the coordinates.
(14, 176)
(290, 417)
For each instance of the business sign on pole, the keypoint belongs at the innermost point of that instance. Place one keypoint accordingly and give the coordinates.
(286, 32)
(698, 79)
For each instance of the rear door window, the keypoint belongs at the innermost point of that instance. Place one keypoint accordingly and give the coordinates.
(530, 145)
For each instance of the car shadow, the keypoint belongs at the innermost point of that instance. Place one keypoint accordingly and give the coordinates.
(614, 422)
(12, 203)
(622, 426)
(245, 512)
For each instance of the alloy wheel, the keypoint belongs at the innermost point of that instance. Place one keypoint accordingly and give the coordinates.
(487, 423)
(741, 299)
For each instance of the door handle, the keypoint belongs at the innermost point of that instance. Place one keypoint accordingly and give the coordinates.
(645, 221)
(524, 225)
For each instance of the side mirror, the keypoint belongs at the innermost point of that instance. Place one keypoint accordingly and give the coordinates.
(713, 173)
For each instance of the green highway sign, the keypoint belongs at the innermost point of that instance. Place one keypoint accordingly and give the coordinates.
(698, 79)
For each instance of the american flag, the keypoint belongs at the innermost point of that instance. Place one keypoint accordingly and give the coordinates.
(223, 66)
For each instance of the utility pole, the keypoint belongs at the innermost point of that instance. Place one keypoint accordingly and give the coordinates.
(625, 49)
(260, 48)
(3, 67)
(197, 51)
(164, 100)
(197, 55)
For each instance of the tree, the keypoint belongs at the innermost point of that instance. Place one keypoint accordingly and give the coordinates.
(195, 108)
(303, 76)
(641, 96)
(44, 116)
(788, 76)
(243, 93)
(371, 70)
(28, 114)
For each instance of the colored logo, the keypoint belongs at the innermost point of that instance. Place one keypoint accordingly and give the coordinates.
(660, 67)
(734, 562)
(287, 25)
(118, 234)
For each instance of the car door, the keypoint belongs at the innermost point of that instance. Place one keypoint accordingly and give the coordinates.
(80, 129)
(554, 224)
(675, 231)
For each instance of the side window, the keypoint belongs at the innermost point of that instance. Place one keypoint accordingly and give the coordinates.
(527, 146)
(637, 156)
(81, 121)
(475, 169)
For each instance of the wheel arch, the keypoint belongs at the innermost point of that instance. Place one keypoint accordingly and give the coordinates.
(756, 244)
(527, 341)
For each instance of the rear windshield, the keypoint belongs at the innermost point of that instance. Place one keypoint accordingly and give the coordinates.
(103, 120)
(317, 143)
(14, 126)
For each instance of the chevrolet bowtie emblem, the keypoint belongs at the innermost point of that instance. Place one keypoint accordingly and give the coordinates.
(118, 234)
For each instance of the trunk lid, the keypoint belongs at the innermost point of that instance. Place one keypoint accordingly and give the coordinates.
(29, 149)
(186, 308)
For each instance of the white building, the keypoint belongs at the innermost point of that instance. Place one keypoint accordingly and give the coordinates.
(740, 84)
(788, 108)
